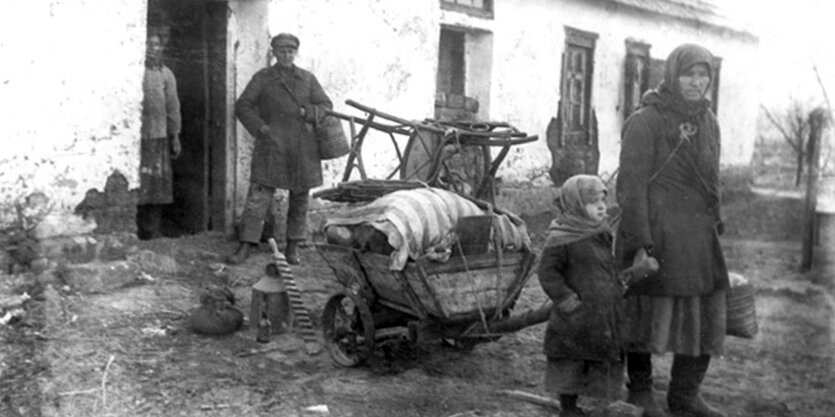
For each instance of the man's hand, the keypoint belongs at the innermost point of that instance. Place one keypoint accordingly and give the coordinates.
(569, 305)
(176, 147)
(264, 130)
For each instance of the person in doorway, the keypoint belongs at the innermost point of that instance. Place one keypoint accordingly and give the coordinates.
(577, 272)
(668, 191)
(160, 138)
(279, 107)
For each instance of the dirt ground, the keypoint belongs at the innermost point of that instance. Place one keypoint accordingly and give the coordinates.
(125, 353)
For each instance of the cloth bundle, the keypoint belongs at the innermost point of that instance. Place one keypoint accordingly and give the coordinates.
(420, 223)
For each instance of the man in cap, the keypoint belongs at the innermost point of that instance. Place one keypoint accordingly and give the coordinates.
(278, 108)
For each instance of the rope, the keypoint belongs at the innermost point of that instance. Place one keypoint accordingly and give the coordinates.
(478, 300)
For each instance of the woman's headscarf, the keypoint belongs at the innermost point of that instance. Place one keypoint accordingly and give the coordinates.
(572, 222)
(703, 150)
(679, 60)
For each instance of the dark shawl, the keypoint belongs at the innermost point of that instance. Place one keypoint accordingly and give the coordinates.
(668, 186)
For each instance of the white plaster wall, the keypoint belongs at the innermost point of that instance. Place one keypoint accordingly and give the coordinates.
(529, 39)
(70, 83)
(382, 54)
(249, 47)
(70, 96)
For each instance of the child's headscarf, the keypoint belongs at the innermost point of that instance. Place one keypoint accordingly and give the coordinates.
(572, 222)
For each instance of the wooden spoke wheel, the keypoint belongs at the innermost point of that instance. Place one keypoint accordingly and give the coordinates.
(348, 328)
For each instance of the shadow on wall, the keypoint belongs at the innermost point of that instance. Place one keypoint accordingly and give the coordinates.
(113, 210)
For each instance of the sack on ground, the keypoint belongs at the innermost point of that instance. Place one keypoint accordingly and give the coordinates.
(742, 315)
(216, 315)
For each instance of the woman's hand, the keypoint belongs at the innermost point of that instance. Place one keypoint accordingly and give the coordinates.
(640, 256)
(569, 305)
(176, 147)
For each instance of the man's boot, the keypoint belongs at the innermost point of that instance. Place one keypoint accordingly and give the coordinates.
(639, 370)
(292, 252)
(240, 254)
(683, 397)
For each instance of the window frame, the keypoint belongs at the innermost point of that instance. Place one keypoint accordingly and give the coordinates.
(586, 42)
(635, 51)
(485, 12)
(714, 84)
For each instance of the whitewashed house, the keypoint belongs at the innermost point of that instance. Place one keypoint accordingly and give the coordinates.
(70, 85)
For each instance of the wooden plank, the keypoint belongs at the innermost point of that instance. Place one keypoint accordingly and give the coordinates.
(419, 304)
(459, 287)
(431, 301)
(532, 398)
(346, 268)
(472, 262)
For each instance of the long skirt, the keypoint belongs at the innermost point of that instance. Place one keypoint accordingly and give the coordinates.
(599, 379)
(692, 326)
(156, 184)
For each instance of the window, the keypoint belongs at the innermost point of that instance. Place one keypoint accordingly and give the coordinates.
(636, 76)
(451, 62)
(480, 8)
(575, 92)
(464, 73)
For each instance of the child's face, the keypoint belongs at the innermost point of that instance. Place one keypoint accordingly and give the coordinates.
(596, 209)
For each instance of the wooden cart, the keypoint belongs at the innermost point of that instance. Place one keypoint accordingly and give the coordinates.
(461, 300)
(456, 300)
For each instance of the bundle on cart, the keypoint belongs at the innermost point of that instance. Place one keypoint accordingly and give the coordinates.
(425, 223)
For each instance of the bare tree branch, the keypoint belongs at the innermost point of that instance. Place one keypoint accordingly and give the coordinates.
(789, 138)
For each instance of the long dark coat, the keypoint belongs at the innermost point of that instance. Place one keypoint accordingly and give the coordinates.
(586, 268)
(289, 157)
(676, 214)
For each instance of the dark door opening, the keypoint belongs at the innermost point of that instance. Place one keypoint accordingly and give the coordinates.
(196, 53)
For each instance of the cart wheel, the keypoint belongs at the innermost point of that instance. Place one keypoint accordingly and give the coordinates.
(348, 328)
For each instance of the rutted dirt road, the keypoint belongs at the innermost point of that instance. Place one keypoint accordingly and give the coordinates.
(124, 353)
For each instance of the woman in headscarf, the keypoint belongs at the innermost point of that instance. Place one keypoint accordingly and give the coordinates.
(668, 190)
(577, 272)
(160, 133)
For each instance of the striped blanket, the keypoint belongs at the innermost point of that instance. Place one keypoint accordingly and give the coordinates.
(419, 223)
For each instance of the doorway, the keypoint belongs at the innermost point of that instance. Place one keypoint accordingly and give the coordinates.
(196, 54)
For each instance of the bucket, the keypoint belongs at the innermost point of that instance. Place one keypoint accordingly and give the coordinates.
(333, 143)
(473, 235)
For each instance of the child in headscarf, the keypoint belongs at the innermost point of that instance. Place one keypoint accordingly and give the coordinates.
(577, 271)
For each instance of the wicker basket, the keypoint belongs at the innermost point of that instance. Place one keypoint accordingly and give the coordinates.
(742, 315)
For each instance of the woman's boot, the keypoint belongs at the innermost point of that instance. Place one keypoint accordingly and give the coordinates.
(639, 370)
(684, 398)
(568, 404)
